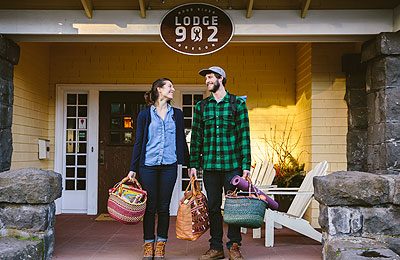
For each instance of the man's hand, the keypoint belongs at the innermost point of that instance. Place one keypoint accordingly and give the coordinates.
(192, 173)
(131, 174)
(246, 173)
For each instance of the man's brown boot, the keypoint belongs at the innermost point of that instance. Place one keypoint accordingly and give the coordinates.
(148, 251)
(234, 252)
(159, 252)
(212, 254)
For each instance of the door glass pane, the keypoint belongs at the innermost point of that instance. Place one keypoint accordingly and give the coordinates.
(115, 137)
(70, 160)
(70, 147)
(81, 185)
(82, 99)
(81, 159)
(187, 111)
(70, 172)
(70, 135)
(188, 123)
(71, 99)
(187, 99)
(82, 136)
(115, 122)
(70, 184)
(81, 147)
(115, 108)
(71, 123)
(128, 137)
(71, 111)
(81, 172)
(82, 111)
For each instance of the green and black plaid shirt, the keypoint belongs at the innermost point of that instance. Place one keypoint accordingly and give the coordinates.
(221, 135)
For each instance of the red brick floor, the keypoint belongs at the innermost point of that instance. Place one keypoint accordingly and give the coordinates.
(81, 237)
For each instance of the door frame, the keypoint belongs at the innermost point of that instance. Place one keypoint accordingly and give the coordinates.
(93, 91)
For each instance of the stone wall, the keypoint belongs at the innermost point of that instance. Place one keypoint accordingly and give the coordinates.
(360, 211)
(359, 215)
(9, 56)
(356, 99)
(27, 213)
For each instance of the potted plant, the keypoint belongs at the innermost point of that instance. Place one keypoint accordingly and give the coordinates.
(289, 171)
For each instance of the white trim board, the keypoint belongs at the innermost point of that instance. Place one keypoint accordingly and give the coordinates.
(129, 23)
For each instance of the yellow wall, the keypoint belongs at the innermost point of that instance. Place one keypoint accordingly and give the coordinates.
(328, 110)
(263, 72)
(31, 112)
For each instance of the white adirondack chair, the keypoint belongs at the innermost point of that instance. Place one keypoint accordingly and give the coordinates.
(293, 219)
(261, 176)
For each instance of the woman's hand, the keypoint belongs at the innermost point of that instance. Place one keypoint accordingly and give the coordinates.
(131, 175)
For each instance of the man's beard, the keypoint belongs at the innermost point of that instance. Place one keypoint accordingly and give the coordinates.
(215, 87)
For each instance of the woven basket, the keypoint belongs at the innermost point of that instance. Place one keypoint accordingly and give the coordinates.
(123, 210)
(244, 211)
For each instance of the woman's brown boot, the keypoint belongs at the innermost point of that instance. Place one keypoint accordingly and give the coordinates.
(148, 251)
(159, 252)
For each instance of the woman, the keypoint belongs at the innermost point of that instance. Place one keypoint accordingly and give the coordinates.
(159, 146)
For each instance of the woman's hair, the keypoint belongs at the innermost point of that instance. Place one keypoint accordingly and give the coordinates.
(151, 96)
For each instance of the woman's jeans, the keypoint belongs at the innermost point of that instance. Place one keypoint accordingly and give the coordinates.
(159, 182)
(214, 181)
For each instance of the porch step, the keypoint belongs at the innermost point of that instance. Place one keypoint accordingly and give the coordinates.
(12, 248)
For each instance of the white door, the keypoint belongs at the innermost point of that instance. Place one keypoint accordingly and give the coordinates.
(75, 153)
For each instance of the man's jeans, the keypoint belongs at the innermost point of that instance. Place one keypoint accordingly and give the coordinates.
(214, 181)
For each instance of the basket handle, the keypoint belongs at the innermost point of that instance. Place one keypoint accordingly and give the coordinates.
(134, 181)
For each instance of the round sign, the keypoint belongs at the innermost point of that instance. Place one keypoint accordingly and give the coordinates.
(196, 29)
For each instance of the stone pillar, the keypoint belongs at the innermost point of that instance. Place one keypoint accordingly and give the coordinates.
(382, 57)
(9, 56)
(27, 213)
(356, 99)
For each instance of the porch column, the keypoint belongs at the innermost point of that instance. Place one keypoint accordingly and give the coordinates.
(356, 99)
(9, 56)
(359, 210)
(382, 57)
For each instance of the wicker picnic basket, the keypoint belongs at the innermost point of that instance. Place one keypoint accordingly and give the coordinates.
(245, 211)
(127, 201)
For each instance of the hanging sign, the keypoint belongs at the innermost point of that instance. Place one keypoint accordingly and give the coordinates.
(196, 29)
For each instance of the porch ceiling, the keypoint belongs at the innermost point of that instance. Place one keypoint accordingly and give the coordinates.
(224, 4)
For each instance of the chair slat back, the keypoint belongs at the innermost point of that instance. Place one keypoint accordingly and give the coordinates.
(267, 174)
(301, 201)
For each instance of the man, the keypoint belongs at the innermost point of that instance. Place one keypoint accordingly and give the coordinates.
(220, 133)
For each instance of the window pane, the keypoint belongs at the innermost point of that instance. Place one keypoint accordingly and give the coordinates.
(70, 184)
(82, 136)
(81, 185)
(82, 111)
(128, 109)
(70, 135)
(81, 159)
(187, 99)
(115, 108)
(81, 173)
(187, 111)
(128, 137)
(115, 123)
(71, 99)
(71, 111)
(82, 99)
(185, 183)
(81, 147)
(71, 123)
(70, 172)
(70, 148)
(70, 160)
(188, 123)
(197, 98)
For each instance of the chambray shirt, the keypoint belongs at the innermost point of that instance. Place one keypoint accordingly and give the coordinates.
(161, 144)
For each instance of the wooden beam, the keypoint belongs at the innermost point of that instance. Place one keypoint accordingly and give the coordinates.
(249, 12)
(142, 9)
(88, 6)
(304, 8)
